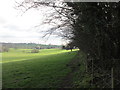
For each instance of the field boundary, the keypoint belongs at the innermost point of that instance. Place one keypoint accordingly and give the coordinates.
(67, 81)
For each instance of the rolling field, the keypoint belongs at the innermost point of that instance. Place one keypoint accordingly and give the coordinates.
(22, 69)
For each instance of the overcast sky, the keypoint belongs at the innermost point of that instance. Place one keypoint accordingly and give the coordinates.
(20, 28)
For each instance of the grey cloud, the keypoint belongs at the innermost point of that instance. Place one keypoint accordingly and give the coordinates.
(2, 21)
(11, 36)
(11, 27)
(7, 36)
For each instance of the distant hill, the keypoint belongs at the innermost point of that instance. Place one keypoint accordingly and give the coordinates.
(29, 45)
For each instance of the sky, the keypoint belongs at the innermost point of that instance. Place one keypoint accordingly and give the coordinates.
(19, 27)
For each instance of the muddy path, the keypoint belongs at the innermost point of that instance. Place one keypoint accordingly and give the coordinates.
(67, 81)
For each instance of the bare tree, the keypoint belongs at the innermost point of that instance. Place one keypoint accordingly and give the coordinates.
(60, 17)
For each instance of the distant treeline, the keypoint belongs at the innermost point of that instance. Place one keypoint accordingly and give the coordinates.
(29, 46)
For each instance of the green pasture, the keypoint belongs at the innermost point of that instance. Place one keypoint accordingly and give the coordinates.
(22, 69)
(25, 54)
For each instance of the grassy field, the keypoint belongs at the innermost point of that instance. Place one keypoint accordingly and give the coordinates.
(22, 69)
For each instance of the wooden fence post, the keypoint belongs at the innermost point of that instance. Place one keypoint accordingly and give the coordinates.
(112, 78)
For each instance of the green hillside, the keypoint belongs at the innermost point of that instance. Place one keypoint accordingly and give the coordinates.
(29, 45)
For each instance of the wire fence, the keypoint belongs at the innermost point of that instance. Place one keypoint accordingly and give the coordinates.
(102, 78)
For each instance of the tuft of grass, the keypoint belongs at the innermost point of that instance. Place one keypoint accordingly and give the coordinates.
(35, 51)
(46, 69)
